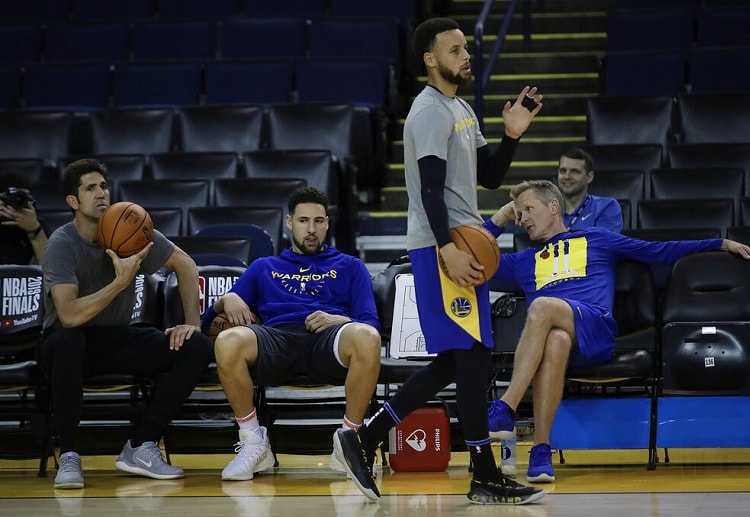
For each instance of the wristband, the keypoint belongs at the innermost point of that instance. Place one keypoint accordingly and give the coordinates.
(33, 233)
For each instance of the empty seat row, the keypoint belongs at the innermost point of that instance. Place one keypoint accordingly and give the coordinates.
(674, 27)
(90, 86)
(661, 120)
(722, 70)
(39, 11)
(201, 39)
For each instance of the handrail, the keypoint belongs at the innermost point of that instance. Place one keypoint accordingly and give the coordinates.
(483, 71)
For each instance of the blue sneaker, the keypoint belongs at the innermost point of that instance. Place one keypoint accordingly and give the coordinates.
(540, 464)
(502, 420)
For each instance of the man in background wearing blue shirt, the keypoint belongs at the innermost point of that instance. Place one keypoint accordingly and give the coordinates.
(583, 210)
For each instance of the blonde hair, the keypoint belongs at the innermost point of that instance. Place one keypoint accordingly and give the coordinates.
(544, 190)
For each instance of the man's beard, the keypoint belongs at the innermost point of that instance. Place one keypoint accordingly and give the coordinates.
(305, 249)
(452, 78)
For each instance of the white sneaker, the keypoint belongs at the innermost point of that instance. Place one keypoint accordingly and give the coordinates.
(69, 473)
(253, 455)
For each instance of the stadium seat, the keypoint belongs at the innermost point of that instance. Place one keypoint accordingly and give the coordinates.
(709, 182)
(360, 38)
(625, 156)
(139, 85)
(250, 192)
(35, 134)
(261, 242)
(234, 129)
(131, 131)
(121, 10)
(649, 29)
(719, 71)
(74, 41)
(364, 82)
(10, 87)
(224, 251)
(31, 169)
(270, 219)
(120, 167)
(629, 120)
(198, 9)
(686, 213)
(87, 86)
(20, 44)
(710, 155)
(240, 38)
(286, 8)
(249, 82)
(714, 118)
(723, 27)
(666, 71)
(159, 40)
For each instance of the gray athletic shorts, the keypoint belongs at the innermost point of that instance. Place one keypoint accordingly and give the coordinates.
(288, 351)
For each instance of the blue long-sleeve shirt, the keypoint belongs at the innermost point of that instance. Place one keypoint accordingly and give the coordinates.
(581, 265)
(286, 289)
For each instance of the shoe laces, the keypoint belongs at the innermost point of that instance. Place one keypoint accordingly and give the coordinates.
(152, 451)
(70, 463)
(247, 451)
(540, 454)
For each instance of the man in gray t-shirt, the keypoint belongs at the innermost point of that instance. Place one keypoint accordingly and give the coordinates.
(89, 294)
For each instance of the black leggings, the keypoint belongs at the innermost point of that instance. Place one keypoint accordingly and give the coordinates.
(68, 355)
(470, 370)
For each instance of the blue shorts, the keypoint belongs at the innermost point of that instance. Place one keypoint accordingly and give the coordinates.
(595, 331)
(452, 318)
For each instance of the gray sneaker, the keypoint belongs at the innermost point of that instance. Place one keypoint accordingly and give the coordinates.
(69, 474)
(146, 460)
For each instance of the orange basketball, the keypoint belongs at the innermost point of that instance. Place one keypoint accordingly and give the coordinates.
(125, 228)
(477, 241)
(219, 323)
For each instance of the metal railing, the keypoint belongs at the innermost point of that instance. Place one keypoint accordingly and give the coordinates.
(482, 70)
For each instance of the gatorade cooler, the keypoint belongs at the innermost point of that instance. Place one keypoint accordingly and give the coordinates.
(421, 442)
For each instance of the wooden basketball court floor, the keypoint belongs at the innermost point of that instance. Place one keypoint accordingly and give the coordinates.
(706, 482)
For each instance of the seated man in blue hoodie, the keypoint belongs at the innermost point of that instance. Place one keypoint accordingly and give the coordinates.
(311, 310)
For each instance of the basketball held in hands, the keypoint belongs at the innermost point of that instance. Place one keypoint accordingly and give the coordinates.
(125, 228)
(481, 244)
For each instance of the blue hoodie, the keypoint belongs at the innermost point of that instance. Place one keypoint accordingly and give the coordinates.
(284, 290)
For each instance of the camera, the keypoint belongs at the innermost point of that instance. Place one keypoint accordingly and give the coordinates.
(17, 198)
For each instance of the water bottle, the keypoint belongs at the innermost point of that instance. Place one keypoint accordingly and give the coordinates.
(508, 454)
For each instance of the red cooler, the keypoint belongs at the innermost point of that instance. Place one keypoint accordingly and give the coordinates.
(421, 442)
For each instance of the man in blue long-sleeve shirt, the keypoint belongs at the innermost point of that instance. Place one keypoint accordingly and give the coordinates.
(311, 310)
(569, 286)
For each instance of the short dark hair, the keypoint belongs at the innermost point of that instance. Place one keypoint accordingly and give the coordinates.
(74, 171)
(307, 195)
(424, 35)
(576, 153)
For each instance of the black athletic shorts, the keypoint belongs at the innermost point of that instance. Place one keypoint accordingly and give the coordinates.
(288, 351)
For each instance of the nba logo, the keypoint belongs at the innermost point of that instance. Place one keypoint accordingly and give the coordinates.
(202, 294)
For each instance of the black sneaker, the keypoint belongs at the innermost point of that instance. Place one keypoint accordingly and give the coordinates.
(358, 463)
(503, 490)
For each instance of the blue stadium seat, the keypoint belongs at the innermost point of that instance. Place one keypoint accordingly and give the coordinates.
(20, 43)
(157, 84)
(198, 9)
(374, 8)
(723, 26)
(10, 87)
(356, 81)
(285, 8)
(86, 41)
(720, 71)
(649, 29)
(666, 72)
(241, 38)
(87, 86)
(174, 40)
(121, 10)
(354, 37)
(249, 82)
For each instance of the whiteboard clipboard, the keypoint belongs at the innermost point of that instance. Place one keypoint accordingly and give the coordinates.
(407, 339)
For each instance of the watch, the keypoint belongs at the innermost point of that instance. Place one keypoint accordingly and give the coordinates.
(33, 233)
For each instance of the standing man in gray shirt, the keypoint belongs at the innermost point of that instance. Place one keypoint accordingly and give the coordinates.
(446, 157)
(89, 296)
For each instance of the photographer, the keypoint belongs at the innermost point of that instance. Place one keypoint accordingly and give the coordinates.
(22, 237)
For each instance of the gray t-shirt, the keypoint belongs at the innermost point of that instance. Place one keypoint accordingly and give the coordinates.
(447, 128)
(69, 259)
